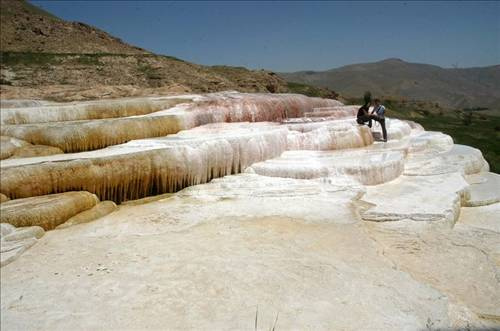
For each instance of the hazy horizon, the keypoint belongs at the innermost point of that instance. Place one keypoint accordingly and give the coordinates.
(297, 36)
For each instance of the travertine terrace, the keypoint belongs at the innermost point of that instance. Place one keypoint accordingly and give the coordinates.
(226, 210)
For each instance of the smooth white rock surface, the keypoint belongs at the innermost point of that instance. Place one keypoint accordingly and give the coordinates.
(367, 167)
(15, 241)
(483, 217)
(484, 189)
(417, 198)
(136, 268)
(461, 158)
(206, 257)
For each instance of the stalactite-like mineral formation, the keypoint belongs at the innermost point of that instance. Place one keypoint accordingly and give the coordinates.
(153, 166)
(75, 136)
(86, 110)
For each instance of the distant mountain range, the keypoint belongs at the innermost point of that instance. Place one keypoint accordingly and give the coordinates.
(455, 88)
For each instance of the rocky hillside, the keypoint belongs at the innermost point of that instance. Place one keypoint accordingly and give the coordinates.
(73, 60)
(455, 88)
(27, 28)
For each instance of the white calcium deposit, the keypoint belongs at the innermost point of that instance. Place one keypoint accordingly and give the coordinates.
(256, 211)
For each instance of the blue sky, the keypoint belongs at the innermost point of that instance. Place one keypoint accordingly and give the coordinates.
(289, 36)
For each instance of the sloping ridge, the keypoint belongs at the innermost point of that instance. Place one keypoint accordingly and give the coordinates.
(457, 88)
(40, 50)
(27, 28)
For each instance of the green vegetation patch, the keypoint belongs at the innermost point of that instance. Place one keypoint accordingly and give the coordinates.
(42, 59)
(228, 68)
(310, 91)
(173, 58)
(28, 58)
(88, 59)
(479, 131)
(478, 128)
(148, 71)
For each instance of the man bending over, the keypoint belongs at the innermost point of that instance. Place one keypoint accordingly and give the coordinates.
(363, 115)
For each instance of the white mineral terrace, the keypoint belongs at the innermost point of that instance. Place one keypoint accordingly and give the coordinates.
(73, 136)
(226, 210)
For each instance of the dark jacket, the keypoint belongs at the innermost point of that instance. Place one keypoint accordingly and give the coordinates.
(363, 111)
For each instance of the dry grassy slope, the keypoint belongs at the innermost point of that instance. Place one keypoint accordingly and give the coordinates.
(142, 70)
(456, 88)
(59, 59)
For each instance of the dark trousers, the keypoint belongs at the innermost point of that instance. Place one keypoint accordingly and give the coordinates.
(382, 124)
(368, 118)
